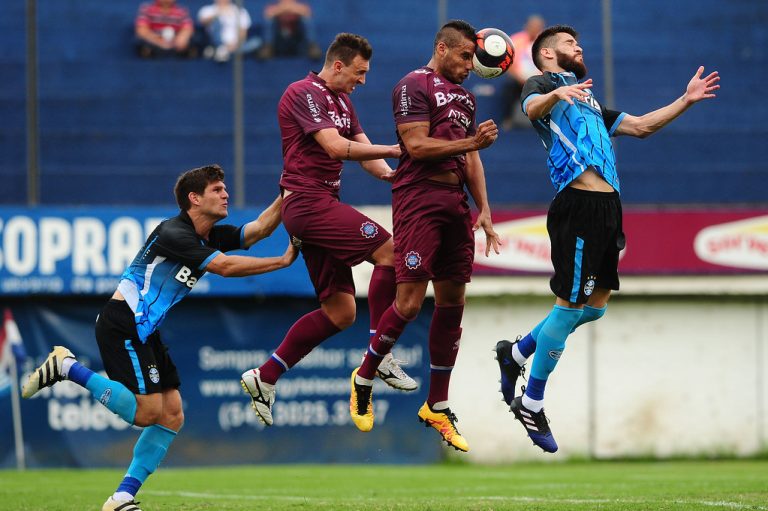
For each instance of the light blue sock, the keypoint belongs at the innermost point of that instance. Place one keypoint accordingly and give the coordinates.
(590, 314)
(527, 344)
(112, 394)
(149, 451)
(551, 340)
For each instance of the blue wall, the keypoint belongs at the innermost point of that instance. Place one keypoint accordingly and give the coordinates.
(117, 130)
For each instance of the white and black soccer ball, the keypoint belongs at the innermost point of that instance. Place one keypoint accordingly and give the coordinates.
(494, 53)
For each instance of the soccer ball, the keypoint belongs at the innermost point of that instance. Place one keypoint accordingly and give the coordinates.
(494, 53)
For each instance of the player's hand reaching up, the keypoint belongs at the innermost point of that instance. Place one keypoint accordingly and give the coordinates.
(492, 240)
(487, 133)
(570, 92)
(701, 88)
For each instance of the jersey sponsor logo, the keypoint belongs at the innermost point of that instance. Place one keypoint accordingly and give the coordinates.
(459, 118)
(369, 230)
(184, 276)
(340, 121)
(589, 286)
(319, 86)
(313, 110)
(443, 98)
(591, 101)
(412, 260)
(405, 101)
(105, 397)
(437, 81)
(555, 354)
(154, 374)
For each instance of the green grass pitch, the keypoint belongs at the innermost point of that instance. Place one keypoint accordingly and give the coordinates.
(678, 485)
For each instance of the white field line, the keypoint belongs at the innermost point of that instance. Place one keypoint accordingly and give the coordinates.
(497, 498)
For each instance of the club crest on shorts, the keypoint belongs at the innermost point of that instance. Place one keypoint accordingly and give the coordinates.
(589, 285)
(154, 374)
(369, 230)
(412, 260)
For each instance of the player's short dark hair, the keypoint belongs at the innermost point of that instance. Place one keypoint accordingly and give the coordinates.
(453, 32)
(345, 47)
(195, 180)
(547, 38)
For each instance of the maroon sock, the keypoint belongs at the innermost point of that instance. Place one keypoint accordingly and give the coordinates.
(308, 332)
(390, 327)
(381, 293)
(444, 336)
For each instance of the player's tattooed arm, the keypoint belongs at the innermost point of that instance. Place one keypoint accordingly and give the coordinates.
(264, 225)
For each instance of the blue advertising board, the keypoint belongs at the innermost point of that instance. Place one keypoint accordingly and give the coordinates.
(212, 342)
(83, 251)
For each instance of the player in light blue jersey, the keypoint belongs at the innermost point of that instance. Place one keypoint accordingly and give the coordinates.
(143, 385)
(584, 221)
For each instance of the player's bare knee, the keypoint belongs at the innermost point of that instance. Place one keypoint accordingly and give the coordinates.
(409, 308)
(173, 420)
(147, 415)
(344, 319)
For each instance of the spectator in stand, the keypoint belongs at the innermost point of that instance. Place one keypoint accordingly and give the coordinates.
(227, 28)
(164, 29)
(522, 69)
(289, 31)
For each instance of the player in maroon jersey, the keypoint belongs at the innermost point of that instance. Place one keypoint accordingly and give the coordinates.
(433, 229)
(319, 129)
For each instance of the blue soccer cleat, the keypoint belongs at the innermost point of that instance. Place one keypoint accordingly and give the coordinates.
(536, 425)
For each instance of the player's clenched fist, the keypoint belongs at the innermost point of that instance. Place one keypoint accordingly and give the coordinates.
(487, 133)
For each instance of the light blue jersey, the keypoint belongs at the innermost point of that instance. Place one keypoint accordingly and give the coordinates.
(169, 264)
(577, 137)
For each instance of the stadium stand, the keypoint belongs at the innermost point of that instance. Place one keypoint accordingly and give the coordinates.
(117, 130)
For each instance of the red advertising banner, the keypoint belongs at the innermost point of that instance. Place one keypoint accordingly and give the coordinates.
(676, 242)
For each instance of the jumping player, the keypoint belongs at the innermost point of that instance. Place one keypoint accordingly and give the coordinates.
(433, 229)
(319, 129)
(584, 220)
(143, 388)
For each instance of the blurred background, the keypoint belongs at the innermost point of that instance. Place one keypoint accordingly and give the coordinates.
(94, 135)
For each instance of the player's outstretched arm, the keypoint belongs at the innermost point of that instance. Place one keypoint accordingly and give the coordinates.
(340, 148)
(379, 169)
(540, 105)
(478, 190)
(265, 224)
(418, 143)
(698, 89)
(243, 266)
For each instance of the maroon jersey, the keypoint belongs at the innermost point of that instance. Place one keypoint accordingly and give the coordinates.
(308, 106)
(424, 95)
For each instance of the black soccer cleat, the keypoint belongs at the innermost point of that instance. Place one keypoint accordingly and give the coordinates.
(509, 368)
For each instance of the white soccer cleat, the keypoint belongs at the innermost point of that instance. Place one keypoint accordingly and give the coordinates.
(261, 396)
(48, 373)
(120, 505)
(393, 375)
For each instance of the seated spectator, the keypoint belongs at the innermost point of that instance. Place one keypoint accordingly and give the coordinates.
(289, 31)
(164, 29)
(227, 29)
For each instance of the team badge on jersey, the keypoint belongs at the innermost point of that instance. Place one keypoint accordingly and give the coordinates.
(154, 374)
(589, 286)
(369, 230)
(412, 260)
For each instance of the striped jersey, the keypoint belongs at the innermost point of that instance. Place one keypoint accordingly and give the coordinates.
(169, 264)
(576, 136)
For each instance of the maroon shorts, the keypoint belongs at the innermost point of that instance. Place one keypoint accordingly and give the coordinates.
(433, 233)
(335, 237)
